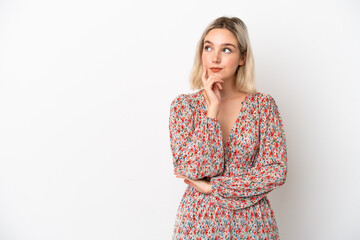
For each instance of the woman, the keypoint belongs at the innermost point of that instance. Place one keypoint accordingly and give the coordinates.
(227, 142)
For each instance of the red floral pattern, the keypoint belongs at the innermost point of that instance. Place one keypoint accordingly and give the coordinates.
(242, 172)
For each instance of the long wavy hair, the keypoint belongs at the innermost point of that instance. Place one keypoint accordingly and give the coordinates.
(244, 76)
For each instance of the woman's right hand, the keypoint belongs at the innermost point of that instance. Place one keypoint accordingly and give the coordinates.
(212, 86)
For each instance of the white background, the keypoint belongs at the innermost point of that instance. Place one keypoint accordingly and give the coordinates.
(85, 92)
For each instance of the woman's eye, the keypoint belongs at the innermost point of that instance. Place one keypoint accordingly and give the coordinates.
(226, 50)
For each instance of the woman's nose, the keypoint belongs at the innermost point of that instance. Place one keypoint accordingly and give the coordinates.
(216, 57)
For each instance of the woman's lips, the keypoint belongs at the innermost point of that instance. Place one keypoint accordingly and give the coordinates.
(215, 69)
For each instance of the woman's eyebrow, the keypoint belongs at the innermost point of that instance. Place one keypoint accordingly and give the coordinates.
(224, 44)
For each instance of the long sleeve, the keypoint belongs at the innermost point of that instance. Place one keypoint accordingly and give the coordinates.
(269, 170)
(197, 150)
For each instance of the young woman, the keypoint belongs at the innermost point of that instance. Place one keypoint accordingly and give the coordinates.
(227, 142)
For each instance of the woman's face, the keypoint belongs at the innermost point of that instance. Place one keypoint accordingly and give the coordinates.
(221, 51)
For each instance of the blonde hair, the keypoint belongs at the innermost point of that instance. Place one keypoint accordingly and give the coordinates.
(244, 76)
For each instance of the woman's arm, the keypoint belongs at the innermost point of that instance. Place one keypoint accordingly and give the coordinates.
(270, 168)
(197, 153)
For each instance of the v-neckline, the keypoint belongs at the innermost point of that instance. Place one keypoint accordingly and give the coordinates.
(236, 121)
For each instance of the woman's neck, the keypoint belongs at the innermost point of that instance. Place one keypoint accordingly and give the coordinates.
(229, 90)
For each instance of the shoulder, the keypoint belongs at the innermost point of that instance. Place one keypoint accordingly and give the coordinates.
(182, 107)
(178, 100)
(185, 100)
(263, 99)
(261, 96)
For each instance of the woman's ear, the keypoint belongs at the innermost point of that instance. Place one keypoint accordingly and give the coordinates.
(242, 61)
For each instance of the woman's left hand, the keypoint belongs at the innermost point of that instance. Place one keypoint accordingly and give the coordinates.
(201, 185)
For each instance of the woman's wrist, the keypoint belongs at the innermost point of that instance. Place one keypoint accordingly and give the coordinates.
(212, 113)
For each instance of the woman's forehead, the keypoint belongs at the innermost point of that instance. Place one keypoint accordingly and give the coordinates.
(219, 36)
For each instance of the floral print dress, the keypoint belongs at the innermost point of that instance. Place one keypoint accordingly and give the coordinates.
(242, 171)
